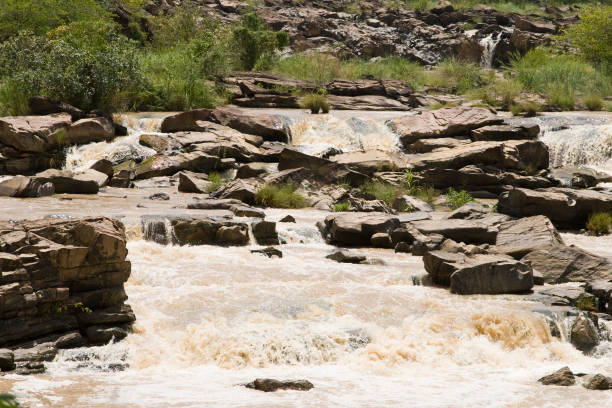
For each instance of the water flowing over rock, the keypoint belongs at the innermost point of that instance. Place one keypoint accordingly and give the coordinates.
(563, 376)
(60, 276)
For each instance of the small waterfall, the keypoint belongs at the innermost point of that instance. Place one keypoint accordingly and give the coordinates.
(157, 229)
(316, 134)
(489, 43)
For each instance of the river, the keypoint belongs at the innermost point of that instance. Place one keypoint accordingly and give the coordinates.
(212, 318)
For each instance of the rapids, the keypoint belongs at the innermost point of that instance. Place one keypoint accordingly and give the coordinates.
(212, 318)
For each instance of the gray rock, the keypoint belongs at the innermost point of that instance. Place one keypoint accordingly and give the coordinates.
(190, 182)
(519, 237)
(270, 252)
(599, 382)
(265, 232)
(247, 211)
(346, 257)
(232, 235)
(468, 231)
(103, 334)
(381, 240)
(7, 360)
(584, 335)
(271, 385)
(561, 263)
(287, 218)
(409, 203)
(357, 228)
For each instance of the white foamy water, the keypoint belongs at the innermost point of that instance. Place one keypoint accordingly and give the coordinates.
(119, 149)
(489, 43)
(316, 133)
(211, 318)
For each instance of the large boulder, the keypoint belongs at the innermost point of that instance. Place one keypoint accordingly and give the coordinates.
(505, 132)
(460, 230)
(366, 102)
(443, 122)
(65, 182)
(270, 127)
(357, 228)
(185, 121)
(478, 273)
(323, 169)
(519, 237)
(56, 271)
(35, 134)
(563, 376)
(23, 186)
(90, 130)
(43, 105)
(206, 231)
(560, 263)
(565, 207)
(584, 334)
(190, 182)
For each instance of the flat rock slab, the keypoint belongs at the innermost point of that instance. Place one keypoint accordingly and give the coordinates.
(519, 237)
(358, 228)
(468, 231)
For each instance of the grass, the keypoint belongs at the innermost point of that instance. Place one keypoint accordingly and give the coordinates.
(315, 102)
(593, 102)
(498, 93)
(8, 401)
(384, 192)
(279, 196)
(342, 207)
(455, 199)
(216, 181)
(587, 302)
(561, 98)
(457, 75)
(599, 223)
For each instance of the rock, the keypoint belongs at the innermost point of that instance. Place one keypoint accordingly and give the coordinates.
(159, 197)
(105, 167)
(599, 382)
(265, 232)
(251, 170)
(185, 121)
(65, 182)
(468, 231)
(370, 162)
(561, 263)
(270, 127)
(196, 231)
(287, 218)
(357, 228)
(70, 340)
(101, 179)
(30, 368)
(211, 204)
(346, 257)
(246, 211)
(159, 143)
(271, 385)
(190, 182)
(366, 102)
(406, 233)
(381, 240)
(602, 290)
(324, 169)
(409, 204)
(43, 105)
(7, 360)
(563, 377)
(238, 190)
(486, 153)
(41, 352)
(168, 165)
(427, 145)
(402, 247)
(103, 335)
(505, 132)
(270, 252)
(90, 130)
(479, 273)
(534, 26)
(565, 207)
(22, 186)
(63, 267)
(519, 237)
(35, 134)
(122, 179)
(445, 122)
(232, 235)
(584, 335)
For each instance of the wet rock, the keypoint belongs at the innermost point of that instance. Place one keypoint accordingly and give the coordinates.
(599, 382)
(41, 352)
(561, 263)
(190, 182)
(237, 189)
(444, 122)
(479, 273)
(70, 340)
(346, 257)
(287, 218)
(505, 132)
(265, 232)
(270, 252)
(90, 130)
(270, 127)
(232, 235)
(7, 360)
(44, 105)
(104, 335)
(185, 121)
(357, 228)
(381, 240)
(327, 170)
(246, 211)
(402, 247)
(271, 385)
(563, 377)
(584, 334)
(158, 143)
(30, 368)
(159, 197)
(602, 290)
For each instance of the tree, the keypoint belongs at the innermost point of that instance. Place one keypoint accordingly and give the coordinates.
(592, 35)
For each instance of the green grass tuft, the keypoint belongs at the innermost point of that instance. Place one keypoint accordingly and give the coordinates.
(599, 223)
(342, 207)
(593, 102)
(315, 102)
(216, 181)
(455, 199)
(279, 196)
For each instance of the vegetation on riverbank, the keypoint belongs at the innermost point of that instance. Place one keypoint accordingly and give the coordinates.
(76, 52)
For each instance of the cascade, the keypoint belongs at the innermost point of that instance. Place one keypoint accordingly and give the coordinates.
(489, 43)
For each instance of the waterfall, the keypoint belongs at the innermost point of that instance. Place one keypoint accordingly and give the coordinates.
(489, 44)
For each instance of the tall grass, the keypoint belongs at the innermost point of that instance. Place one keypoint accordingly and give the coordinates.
(279, 196)
(455, 74)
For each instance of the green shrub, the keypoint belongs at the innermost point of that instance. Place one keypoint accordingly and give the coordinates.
(515, 109)
(279, 196)
(216, 181)
(382, 191)
(561, 98)
(587, 302)
(8, 401)
(599, 223)
(315, 102)
(593, 102)
(592, 35)
(455, 199)
(458, 75)
(530, 108)
(342, 207)
(255, 40)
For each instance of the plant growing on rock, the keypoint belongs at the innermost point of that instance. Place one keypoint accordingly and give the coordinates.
(315, 102)
(8, 401)
(384, 192)
(342, 207)
(216, 181)
(279, 196)
(599, 223)
(455, 199)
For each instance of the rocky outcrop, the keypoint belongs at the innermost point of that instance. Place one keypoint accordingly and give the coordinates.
(559, 263)
(61, 280)
(356, 229)
(195, 231)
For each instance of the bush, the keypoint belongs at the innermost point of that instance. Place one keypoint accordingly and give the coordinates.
(382, 191)
(342, 207)
(458, 75)
(255, 41)
(592, 34)
(599, 223)
(315, 102)
(561, 98)
(8, 401)
(279, 196)
(593, 102)
(501, 93)
(455, 199)
(216, 181)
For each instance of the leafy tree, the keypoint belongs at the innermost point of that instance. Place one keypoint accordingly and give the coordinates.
(593, 35)
(255, 41)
